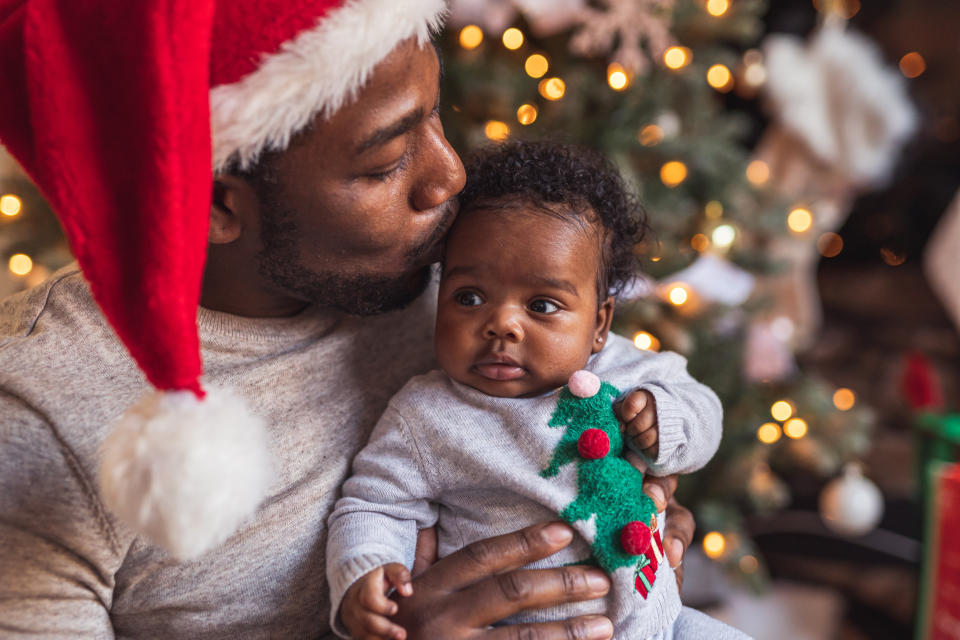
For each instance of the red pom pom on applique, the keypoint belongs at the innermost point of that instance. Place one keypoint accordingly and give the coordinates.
(593, 444)
(635, 538)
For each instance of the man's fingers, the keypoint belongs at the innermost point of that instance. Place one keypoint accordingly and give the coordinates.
(426, 553)
(508, 593)
(678, 574)
(584, 628)
(377, 626)
(484, 558)
(660, 489)
(678, 533)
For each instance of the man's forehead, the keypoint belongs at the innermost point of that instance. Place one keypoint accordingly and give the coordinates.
(397, 96)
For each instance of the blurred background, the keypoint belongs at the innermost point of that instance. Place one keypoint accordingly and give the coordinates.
(799, 163)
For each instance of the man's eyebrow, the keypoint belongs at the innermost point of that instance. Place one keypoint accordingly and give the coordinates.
(391, 131)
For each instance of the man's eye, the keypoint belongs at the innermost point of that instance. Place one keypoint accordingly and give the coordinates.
(383, 176)
(468, 299)
(543, 306)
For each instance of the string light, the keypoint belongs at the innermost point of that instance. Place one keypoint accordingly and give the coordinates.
(471, 36)
(719, 77)
(646, 341)
(677, 58)
(713, 209)
(678, 295)
(10, 205)
(526, 114)
(846, 9)
(717, 8)
(795, 428)
(650, 135)
(892, 258)
(20, 264)
(552, 88)
(768, 433)
(496, 130)
(536, 65)
(799, 220)
(758, 172)
(700, 242)
(781, 410)
(912, 64)
(714, 544)
(512, 38)
(724, 235)
(829, 244)
(844, 399)
(673, 173)
(617, 77)
(748, 564)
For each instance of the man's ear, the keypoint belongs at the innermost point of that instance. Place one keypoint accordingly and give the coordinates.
(231, 197)
(604, 318)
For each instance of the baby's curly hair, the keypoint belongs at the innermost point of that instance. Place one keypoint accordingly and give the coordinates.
(584, 183)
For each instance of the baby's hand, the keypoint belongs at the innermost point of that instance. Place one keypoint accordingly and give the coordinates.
(365, 605)
(638, 413)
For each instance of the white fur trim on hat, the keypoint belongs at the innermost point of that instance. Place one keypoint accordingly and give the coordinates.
(318, 71)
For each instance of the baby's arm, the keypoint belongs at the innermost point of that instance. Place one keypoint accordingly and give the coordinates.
(669, 417)
(385, 502)
(366, 606)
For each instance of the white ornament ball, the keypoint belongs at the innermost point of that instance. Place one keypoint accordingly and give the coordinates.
(851, 505)
(669, 123)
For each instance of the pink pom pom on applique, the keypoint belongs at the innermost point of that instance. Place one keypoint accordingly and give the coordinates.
(584, 384)
(635, 538)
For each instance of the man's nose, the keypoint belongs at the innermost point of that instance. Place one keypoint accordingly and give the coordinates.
(443, 175)
(504, 323)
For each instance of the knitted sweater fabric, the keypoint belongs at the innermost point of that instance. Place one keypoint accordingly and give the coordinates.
(448, 455)
(70, 569)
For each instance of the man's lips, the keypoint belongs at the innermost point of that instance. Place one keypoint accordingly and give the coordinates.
(499, 368)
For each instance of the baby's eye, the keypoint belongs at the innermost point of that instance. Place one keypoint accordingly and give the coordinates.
(543, 306)
(468, 299)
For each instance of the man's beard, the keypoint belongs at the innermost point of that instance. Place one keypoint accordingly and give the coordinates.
(355, 294)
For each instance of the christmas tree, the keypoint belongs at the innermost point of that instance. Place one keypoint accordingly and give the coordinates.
(656, 84)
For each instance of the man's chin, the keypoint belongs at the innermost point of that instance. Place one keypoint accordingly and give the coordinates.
(374, 295)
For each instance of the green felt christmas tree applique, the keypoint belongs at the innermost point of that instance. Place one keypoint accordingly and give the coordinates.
(609, 488)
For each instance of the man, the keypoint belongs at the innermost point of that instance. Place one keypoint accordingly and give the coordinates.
(325, 217)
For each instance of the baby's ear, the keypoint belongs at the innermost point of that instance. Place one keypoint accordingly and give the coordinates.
(604, 318)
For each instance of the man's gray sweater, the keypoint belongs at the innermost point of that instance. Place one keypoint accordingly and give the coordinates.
(70, 569)
(448, 455)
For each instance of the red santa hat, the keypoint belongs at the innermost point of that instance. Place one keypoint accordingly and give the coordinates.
(121, 111)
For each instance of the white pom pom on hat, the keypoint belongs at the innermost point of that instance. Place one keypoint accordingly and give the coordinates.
(186, 472)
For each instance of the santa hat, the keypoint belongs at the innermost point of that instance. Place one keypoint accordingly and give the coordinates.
(121, 111)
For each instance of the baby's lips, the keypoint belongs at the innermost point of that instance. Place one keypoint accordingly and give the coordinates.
(499, 370)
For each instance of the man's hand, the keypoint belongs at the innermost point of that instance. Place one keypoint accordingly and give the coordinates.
(463, 594)
(637, 413)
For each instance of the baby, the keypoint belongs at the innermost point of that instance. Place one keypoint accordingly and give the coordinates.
(482, 447)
